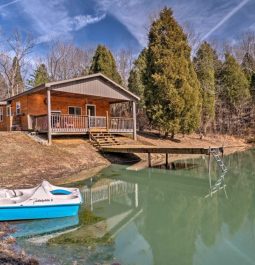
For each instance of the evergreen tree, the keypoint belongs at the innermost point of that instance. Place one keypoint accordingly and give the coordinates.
(136, 77)
(205, 68)
(40, 76)
(136, 85)
(172, 94)
(234, 84)
(17, 83)
(104, 62)
(248, 66)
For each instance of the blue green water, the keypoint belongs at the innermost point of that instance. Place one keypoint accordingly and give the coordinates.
(157, 216)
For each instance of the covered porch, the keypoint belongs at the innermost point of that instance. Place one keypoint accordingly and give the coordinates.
(82, 124)
(83, 105)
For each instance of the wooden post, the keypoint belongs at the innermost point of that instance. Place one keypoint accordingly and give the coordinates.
(149, 159)
(89, 123)
(166, 160)
(134, 120)
(49, 115)
(107, 120)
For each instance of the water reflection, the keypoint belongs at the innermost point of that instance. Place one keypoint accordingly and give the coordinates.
(157, 216)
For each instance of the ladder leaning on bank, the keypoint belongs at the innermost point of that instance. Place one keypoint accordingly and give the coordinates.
(220, 183)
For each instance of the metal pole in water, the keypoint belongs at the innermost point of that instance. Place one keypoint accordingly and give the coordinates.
(136, 195)
(109, 194)
(209, 170)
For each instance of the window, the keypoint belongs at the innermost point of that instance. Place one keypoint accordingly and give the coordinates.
(1, 114)
(18, 108)
(9, 111)
(74, 110)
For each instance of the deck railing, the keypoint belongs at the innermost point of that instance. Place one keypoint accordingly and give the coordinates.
(97, 122)
(40, 123)
(120, 124)
(69, 123)
(62, 123)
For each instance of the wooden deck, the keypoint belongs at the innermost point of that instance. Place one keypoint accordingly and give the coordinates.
(158, 150)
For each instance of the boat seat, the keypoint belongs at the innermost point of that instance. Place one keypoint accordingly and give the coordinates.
(13, 193)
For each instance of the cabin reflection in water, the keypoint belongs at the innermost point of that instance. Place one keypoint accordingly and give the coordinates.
(107, 192)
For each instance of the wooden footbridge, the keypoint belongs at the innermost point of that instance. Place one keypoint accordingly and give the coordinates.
(161, 150)
(212, 152)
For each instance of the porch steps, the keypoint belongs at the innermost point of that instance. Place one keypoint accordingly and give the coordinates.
(100, 139)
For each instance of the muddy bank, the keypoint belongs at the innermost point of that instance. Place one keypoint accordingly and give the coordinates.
(8, 254)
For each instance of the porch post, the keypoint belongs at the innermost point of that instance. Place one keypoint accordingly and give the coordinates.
(49, 115)
(134, 120)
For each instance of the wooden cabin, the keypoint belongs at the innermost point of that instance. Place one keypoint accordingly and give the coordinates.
(74, 106)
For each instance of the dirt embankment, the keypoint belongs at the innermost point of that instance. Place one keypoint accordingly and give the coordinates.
(25, 163)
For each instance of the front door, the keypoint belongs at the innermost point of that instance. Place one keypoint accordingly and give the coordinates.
(91, 110)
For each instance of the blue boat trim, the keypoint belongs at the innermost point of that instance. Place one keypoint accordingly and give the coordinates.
(60, 192)
(38, 212)
(38, 206)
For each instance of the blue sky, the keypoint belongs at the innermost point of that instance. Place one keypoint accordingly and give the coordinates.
(121, 23)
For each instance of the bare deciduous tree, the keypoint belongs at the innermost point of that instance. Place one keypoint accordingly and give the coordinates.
(66, 61)
(124, 60)
(13, 61)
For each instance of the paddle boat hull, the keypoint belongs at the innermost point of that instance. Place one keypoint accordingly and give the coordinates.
(42, 202)
(37, 212)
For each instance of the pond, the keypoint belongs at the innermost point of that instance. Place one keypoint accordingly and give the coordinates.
(154, 216)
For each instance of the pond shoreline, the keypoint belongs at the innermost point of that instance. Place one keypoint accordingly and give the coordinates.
(70, 160)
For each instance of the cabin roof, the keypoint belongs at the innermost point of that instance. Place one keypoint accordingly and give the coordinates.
(102, 87)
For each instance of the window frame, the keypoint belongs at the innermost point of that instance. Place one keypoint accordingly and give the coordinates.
(1, 114)
(18, 104)
(8, 110)
(75, 108)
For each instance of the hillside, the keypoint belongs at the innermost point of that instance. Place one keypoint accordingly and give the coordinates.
(25, 163)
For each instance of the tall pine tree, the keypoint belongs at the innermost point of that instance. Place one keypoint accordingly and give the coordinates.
(104, 62)
(172, 94)
(40, 76)
(248, 66)
(204, 63)
(234, 84)
(136, 77)
(136, 85)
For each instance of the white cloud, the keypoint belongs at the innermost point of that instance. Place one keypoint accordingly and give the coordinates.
(225, 18)
(51, 19)
(9, 3)
(203, 15)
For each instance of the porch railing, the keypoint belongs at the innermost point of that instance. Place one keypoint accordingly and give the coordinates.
(120, 124)
(97, 122)
(69, 123)
(40, 123)
(61, 123)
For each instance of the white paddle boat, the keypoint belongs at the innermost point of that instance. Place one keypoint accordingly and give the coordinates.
(43, 201)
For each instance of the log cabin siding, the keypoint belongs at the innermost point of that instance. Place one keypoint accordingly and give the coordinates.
(35, 104)
(3, 123)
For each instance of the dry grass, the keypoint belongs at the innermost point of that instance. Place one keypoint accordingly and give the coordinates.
(26, 163)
